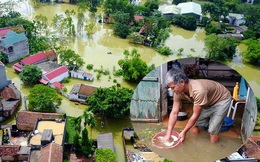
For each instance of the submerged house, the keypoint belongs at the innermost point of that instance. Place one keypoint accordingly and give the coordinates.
(55, 75)
(4, 80)
(10, 95)
(236, 19)
(169, 11)
(190, 9)
(35, 59)
(13, 45)
(44, 143)
(80, 74)
(80, 92)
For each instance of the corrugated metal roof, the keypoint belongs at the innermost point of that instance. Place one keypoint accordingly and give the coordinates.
(56, 72)
(106, 140)
(38, 57)
(170, 9)
(190, 7)
(12, 37)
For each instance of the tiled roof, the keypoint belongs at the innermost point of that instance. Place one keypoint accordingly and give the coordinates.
(56, 72)
(17, 66)
(138, 17)
(58, 85)
(9, 150)
(33, 59)
(3, 31)
(51, 153)
(26, 120)
(87, 89)
(8, 94)
(12, 37)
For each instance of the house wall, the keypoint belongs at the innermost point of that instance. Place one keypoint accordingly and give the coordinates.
(76, 75)
(59, 78)
(3, 79)
(20, 49)
(73, 96)
(238, 22)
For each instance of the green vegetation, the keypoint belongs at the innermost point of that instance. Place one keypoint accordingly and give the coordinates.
(133, 68)
(105, 155)
(89, 66)
(43, 99)
(113, 101)
(80, 138)
(252, 54)
(70, 58)
(30, 75)
(221, 49)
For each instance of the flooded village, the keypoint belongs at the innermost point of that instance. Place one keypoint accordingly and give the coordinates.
(39, 136)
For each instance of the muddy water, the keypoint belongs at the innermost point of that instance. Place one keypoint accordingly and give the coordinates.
(94, 51)
(195, 147)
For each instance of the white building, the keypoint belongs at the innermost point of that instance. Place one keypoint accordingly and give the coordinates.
(56, 75)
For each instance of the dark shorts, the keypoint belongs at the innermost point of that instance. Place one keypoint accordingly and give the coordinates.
(212, 117)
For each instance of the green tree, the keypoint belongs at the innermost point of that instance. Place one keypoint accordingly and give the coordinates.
(133, 67)
(76, 141)
(86, 143)
(164, 50)
(40, 43)
(105, 155)
(212, 28)
(43, 99)
(151, 5)
(252, 54)
(71, 58)
(30, 74)
(121, 26)
(3, 58)
(221, 49)
(41, 25)
(113, 101)
(91, 5)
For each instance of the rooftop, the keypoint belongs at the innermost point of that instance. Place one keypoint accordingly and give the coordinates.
(56, 72)
(58, 128)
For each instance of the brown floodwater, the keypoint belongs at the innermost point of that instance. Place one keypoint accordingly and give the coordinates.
(94, 49)
(195, 147)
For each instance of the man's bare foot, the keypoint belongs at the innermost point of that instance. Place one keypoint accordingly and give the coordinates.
(195, 130)
(214, 138)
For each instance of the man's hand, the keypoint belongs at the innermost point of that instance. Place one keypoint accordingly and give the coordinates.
(182, 136)
(166, 138)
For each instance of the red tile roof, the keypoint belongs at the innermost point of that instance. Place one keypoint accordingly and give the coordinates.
(43, 81)
(9, 150)
(26, 120)
(33, 59)
(18, 67)
(51, 153)
(3, 31)
(56, 72)
(58, 85)
(8, 94)
(138, 17)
